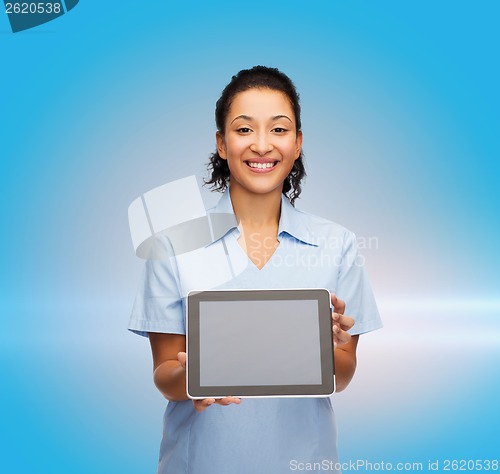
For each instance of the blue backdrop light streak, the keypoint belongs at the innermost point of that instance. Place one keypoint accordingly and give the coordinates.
(400, 118)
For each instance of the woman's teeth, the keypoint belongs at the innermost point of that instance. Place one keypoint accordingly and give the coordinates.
(260, 165)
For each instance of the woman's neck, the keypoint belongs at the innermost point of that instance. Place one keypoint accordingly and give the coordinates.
(256, 210)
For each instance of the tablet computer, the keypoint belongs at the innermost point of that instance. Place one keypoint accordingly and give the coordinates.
(259, 343)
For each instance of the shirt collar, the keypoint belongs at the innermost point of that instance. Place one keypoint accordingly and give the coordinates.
(292, 221)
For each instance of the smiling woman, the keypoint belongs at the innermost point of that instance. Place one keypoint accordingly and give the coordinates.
(258, 165)
(265, 142)
(260, 144)
(232, 116)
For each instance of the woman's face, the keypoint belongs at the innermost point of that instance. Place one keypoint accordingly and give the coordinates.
(260, 142)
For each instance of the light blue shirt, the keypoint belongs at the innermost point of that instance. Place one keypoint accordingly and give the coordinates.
(266, 436)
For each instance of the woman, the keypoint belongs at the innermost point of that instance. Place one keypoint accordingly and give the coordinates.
(258, 165)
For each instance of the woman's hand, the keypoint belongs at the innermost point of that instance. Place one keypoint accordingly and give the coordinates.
(200, 405)
(340, 323)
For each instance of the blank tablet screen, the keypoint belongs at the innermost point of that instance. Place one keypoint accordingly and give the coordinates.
(259, 343)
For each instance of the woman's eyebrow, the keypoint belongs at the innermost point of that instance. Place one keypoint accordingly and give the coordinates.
(277, 117)
(244, 117)
(247, 117)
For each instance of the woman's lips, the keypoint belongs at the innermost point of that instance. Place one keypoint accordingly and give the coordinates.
(261, 166)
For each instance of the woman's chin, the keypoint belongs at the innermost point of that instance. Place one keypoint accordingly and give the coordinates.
(261, 186)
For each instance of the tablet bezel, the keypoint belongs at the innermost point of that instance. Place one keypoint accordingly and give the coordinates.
(321, 295)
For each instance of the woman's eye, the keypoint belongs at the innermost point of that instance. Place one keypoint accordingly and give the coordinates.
(279, 130)
(243, 130)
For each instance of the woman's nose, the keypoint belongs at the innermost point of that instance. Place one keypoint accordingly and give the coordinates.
(261, 144)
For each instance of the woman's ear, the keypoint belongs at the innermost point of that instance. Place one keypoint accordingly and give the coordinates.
(298, 145)
(221, 145)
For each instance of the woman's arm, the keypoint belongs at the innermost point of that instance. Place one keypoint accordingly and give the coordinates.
(169, 375)
(169, 364)
(344, 344)
(345, 363)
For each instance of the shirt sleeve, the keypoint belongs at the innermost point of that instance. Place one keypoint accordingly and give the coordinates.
(354, 288)
(158, 305)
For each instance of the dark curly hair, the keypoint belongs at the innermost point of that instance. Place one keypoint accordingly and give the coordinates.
(260, 77)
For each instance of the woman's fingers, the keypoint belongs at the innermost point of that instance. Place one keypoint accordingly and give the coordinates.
(200, 405)
(181, 357)
(341, 324)
(344, 322)
(227, 401)
(337, 303)
(339, 336)
(203, 404)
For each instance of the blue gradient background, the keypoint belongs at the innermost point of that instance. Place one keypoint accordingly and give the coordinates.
(401, 135)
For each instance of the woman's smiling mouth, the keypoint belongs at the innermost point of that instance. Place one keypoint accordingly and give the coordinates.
(261, 166)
